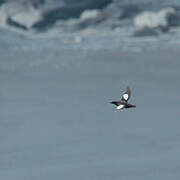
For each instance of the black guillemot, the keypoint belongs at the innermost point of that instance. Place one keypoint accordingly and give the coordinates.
(123, 103)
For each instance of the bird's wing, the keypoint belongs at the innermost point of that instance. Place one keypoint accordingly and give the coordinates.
(126, 96)
(117, 103)
(120, 107)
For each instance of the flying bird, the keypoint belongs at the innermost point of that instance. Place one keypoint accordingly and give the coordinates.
(123, 103)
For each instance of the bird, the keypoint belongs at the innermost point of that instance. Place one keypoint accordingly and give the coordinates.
(123, 103)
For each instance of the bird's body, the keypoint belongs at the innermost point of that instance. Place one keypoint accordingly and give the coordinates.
(123, 103)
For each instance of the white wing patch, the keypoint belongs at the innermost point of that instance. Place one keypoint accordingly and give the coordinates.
(120, 107)
(125, 96)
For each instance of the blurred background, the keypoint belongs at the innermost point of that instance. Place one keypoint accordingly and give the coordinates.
(62, 62)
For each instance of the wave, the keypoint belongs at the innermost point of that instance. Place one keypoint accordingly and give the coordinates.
(150, 17)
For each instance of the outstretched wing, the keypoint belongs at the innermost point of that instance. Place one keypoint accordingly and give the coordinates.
(117, 103)
(126, 95)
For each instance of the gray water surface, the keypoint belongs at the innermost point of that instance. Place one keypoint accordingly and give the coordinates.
(56, 121)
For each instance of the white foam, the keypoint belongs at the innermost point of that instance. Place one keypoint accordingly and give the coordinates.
(23, 14)
(149, 19)
(89, 14)
(27, 17)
